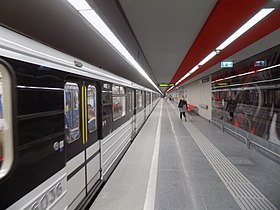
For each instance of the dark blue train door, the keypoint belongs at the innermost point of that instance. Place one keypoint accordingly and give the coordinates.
(82, 145)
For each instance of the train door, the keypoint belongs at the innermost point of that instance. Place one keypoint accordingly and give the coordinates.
(133, 103)
(145, 105)
(93, 152)
(82, 147)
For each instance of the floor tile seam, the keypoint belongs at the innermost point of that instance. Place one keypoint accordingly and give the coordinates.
(271, 177)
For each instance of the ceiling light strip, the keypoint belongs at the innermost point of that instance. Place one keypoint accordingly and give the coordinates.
(264, 69)
(250, 72)
(93, 18)
(253, 21)
(249, 24)
(207, 58)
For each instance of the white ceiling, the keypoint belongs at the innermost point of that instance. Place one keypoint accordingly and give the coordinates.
(166, 30)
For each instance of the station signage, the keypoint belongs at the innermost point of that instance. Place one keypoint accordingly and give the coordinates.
(166, 84)
(205, 80)
(260, 63)
(227, 64)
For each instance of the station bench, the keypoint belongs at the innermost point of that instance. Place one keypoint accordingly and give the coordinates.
(192, 108)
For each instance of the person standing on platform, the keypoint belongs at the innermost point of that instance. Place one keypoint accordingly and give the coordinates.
(183, 106)
(231, 105)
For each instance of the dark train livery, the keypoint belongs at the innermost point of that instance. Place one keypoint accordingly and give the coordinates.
(64, 125)
(254, 86)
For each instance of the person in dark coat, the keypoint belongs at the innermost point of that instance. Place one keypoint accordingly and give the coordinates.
(231, 105)
(183, 106)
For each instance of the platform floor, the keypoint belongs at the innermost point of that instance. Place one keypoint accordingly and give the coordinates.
(177, 165)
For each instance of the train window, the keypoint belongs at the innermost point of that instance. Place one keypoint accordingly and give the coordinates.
(129, 101)
(106, 97)
(119, 101)
(6, 136)
(72, 112)
(91, 106)
(132, 100)
(139, 98)
(148, 98)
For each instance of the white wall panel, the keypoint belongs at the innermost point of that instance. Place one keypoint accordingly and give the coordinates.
(199, 93)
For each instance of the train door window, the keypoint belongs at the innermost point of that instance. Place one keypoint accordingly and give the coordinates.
(277, 98)
(91, 106)
(139, 98)
(132, 100)
(6, 136)
(148, 98)
(119, 101)
(72, 112)
(129, 101)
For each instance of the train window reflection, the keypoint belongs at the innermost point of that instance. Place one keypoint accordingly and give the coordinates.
(129, 101)
(139, 97)
(6, 140)
(72, 112)
(148, 98)
(119, 101)
(91, 106)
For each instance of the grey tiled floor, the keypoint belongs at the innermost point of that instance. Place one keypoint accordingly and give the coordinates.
(185, 178)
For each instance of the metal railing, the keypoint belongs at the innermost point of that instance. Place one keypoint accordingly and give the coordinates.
(264, 148)
(247, 141)
(238, 134)
(217, 124)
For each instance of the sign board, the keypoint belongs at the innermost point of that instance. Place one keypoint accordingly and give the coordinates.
(227, 64)
(166, 84)
(205, 80)
(260, 63)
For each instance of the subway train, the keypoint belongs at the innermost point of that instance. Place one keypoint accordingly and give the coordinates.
(64, 125)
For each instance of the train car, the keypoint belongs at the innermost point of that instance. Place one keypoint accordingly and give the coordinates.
(64, 125)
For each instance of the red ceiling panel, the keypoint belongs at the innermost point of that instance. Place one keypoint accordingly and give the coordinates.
(261, 30)
(224, 20)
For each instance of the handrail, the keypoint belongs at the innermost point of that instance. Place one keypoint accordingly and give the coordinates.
(264, 148)
(217, 124)
(248, 141)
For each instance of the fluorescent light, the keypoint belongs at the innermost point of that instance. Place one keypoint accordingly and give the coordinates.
(193, 69)
(264, 69)
(250, 23)
(79, 5)
(187, 74)
(170, 88)
(230, 77)
(250, 72)
(239, 75)
(259, 16)
(217, 80)
(92, 17)
(207, 58)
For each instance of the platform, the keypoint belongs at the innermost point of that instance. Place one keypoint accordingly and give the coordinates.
(178, 165)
